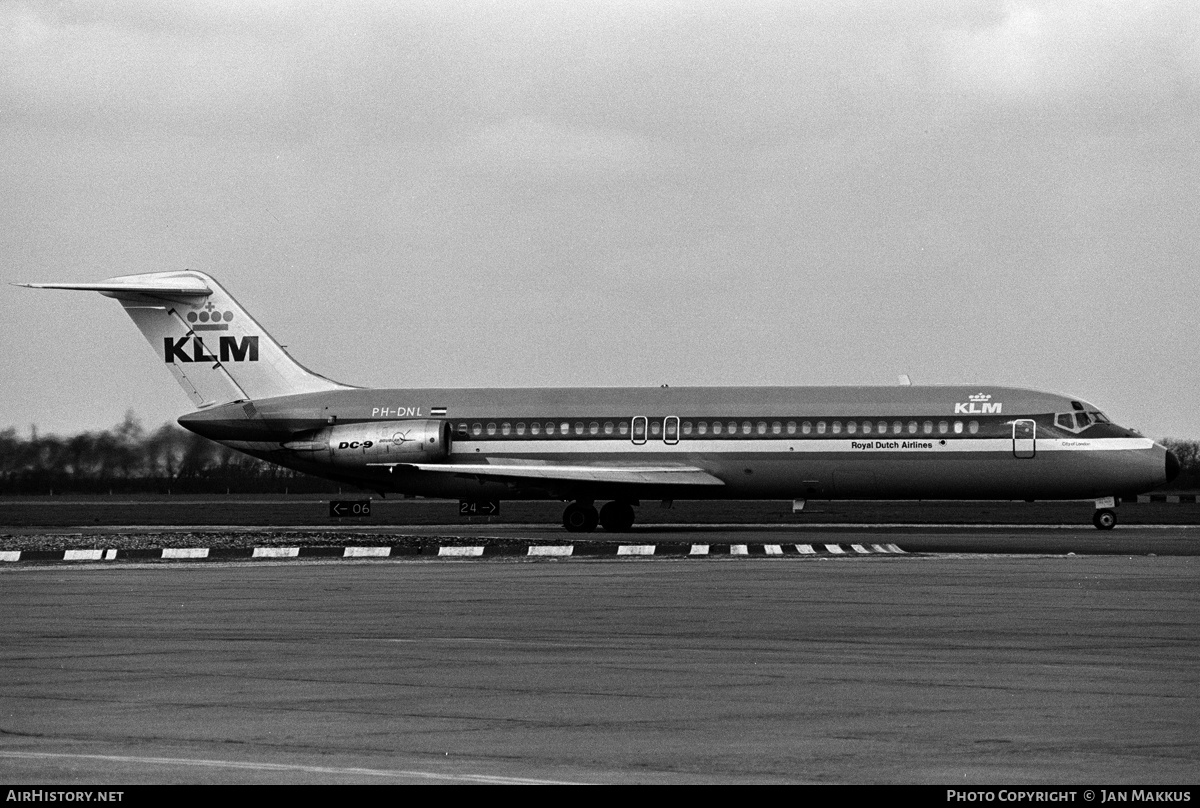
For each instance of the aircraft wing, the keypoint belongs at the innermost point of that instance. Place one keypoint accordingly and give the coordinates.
(550, 473)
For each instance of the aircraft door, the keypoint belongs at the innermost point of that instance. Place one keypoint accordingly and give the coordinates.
(1024, 438)
(671, 429)
(638, 433)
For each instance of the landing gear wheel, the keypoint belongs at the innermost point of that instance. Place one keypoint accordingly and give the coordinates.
(1104, 519)
(617, 517)
(580, 518)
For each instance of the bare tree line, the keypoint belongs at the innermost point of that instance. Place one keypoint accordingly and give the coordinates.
(128, 459)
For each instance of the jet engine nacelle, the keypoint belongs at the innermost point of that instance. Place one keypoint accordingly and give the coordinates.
(356, 445)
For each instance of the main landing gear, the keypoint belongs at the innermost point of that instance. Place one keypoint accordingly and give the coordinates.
(581, 517)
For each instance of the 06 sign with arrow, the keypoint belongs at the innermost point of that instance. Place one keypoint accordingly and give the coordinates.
(350, 507)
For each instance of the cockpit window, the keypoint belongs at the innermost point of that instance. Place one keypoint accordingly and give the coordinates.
(1078, 421)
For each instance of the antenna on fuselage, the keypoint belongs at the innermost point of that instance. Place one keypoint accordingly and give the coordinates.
(905, 381)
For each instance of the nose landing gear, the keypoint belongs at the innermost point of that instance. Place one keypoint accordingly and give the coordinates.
(1105, 518)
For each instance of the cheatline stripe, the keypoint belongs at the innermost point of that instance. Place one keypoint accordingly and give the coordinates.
(904, 444)
(247, 765)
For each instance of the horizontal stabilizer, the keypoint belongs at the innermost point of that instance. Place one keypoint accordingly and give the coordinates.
(174, 287)
(639, 475)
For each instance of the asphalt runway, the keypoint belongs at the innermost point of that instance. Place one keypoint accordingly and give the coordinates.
(943, 668)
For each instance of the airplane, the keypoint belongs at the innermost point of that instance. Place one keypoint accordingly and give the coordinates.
(623, 445)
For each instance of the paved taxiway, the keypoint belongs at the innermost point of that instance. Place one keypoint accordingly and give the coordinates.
(944, 668)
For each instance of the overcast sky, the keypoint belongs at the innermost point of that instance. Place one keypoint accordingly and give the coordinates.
(613, 193)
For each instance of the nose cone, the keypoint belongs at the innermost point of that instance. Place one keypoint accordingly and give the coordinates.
(1173, 466)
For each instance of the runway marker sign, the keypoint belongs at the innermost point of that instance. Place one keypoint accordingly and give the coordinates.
(349, 507)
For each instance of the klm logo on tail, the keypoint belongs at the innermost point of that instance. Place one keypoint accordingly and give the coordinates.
(230, 349)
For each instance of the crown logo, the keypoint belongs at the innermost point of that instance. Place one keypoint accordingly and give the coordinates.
(980, 397)
(209, 314)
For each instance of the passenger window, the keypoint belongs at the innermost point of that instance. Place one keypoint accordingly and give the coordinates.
(608, 427)
(716, 427)
(491, 429)
(777, 428)
(505, 428)
(912, 427)
(594, 428)
(639, 429)
(851, 427)
(623, 428)
(564, 428)
(462, 430)
(927, 427)
(476, 429)
(866, 427)
(837, 427)
(958, 427)
(882, 427)
(806, 428)
(820, 427)
(897, 427)
(791, 427)
(520, 427)
(687, 427)
(535, 428)
(549, 427)
(943, 427)
(973, 427)
(655, 428)
(761, 428)
(702, 427)
(732, 428)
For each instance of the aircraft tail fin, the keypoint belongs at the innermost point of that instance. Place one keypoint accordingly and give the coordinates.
(217, 352)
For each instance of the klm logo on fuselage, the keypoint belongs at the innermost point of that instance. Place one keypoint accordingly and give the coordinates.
(978, 404)
(977, 408)
(229, 349)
